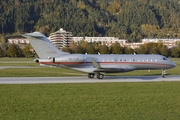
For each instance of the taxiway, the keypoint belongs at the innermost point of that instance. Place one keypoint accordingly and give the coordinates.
(84, 79)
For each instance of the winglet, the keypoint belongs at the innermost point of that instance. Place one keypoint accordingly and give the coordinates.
(96, 65)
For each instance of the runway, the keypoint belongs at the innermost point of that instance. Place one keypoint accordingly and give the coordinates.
(84, 79)
(5, 67)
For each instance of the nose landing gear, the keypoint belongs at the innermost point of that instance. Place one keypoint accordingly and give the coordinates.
(163, 73)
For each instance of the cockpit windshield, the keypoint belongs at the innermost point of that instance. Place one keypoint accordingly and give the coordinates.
(164, 58)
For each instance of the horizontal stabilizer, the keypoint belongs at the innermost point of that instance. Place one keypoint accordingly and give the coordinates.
(34, 34)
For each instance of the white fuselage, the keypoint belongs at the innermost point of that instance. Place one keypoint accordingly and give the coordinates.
(115, 63)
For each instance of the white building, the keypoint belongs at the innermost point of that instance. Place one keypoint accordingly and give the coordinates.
(61, 38)
(132, 45)
(18, 41)
(168, 42)
(103, 40)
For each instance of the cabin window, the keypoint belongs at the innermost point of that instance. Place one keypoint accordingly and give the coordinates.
(120, 60)
(124, 59)
(133, 59)
(130, 60)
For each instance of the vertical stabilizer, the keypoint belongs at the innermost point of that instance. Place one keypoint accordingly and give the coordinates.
(43, 47)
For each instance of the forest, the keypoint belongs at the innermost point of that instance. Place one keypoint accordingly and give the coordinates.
(126, 19)
(132, 20)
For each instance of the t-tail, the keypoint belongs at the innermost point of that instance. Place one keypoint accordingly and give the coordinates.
(43, 46)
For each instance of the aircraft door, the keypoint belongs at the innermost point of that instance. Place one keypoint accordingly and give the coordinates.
(53, 60)
(115, 60)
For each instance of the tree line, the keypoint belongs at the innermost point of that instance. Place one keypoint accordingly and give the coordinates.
(116, 48)
(14, 50)
(126, 19)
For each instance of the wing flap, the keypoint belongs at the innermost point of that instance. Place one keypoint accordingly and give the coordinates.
(112, 70)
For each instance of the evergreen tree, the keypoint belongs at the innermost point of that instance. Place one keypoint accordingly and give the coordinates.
(1, 52)
(14, 50)
(175, 52)
(104, 49)
(26, 51)
(116, 48)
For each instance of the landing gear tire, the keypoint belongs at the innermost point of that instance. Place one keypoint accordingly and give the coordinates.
(163, 73)
(91, 75)
(100, 76)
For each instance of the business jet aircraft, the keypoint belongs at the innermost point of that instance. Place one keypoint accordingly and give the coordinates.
(94, 64)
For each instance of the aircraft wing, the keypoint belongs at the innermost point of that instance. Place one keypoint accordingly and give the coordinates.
(110, 69)
(96, 65)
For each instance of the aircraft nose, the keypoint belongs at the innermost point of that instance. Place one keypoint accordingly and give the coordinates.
(173, 64)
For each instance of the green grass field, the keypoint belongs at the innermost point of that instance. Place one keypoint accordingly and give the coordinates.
(100, 101)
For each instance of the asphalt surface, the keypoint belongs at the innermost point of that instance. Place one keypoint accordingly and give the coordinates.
(84, 79)
(5, 67)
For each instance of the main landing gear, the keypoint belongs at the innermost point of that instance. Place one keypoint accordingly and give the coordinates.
(98, 75)
(163, 73)
(91, 75)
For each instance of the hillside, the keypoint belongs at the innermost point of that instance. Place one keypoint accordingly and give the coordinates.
(126, 19)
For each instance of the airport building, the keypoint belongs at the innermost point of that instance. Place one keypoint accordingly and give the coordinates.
(18, 41)
(168, 42)
(62, 42)
(61, 38)
(102, 40)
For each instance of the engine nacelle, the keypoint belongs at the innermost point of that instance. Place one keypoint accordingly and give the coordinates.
(36, 60)
(70, 59)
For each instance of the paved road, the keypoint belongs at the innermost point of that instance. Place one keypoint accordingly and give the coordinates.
(40, 80)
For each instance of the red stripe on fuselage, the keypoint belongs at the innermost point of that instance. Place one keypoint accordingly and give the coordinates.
(63, 63)
(132, 63)
(124, 63)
